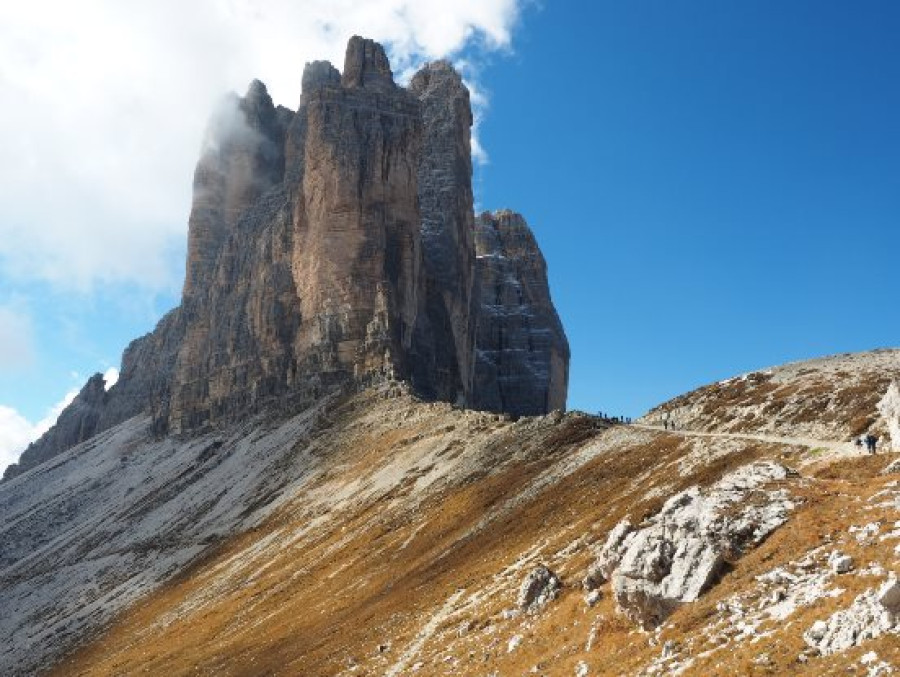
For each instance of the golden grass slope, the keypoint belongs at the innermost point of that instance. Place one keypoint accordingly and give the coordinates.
(405, 553)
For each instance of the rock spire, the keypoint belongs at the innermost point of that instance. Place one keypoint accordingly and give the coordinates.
(337, 246)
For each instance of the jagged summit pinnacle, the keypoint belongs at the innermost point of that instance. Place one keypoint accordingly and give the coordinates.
(257, 91)
(366, 65)
(334, 247)
(319, 74)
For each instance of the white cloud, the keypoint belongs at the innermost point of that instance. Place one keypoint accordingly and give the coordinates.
(110, 377)
(105, 103)
(17, 432)
(16, 338)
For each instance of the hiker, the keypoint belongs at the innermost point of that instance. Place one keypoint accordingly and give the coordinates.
(871, 442)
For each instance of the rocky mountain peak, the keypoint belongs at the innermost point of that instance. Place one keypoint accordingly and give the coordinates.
(366, 65)
(257, 107)
(441, 80)
(318, 74)
(336, 247)
(523, 358)
(242, 157)
(79, 421)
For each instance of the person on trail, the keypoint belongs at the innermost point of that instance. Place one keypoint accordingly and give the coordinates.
(871, 442)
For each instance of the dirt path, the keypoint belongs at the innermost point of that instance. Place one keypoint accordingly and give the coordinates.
(838, 449)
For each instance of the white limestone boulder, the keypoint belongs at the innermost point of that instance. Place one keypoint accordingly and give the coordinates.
(889, 408)
(872, 614)
(677, 554)
(538, 588)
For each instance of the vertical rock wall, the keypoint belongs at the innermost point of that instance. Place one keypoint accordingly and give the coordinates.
(446, 329)
(337, 245)
(356, 221)
(522, 362)
(241, 158)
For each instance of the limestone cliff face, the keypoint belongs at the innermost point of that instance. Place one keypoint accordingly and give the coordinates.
(356, 260)
(336, 246)
(145, 378)
(522, 363)
(237, 352)
(242, 157)
(446, 328)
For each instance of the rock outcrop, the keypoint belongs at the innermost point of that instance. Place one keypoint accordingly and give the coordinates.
(148, 367)
(336, 246)
(522, 361)
(678, 553)
(242, 157)
(78, 421)
(356, 245)
(872, 614)
(889, 408)
(539, 587)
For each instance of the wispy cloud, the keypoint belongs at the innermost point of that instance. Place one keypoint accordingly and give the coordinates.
(17, 432)
(110, 377)
(16, 338)
(105, 105)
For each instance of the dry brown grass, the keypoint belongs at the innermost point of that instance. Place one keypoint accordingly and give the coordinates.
(375, 571)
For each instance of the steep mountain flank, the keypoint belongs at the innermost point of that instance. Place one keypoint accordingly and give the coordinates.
(331, 248)
(79, 421)
(379, 534)
(443, 368)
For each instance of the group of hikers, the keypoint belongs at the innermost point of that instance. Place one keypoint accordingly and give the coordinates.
(615, 419)
(869, 440)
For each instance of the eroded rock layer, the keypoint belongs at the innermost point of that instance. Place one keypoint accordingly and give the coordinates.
(336, 246)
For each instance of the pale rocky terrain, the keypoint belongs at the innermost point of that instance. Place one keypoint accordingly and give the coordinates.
(831, 398)
(382, 535)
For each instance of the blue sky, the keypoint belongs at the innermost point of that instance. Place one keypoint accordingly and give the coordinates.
(715, 186)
